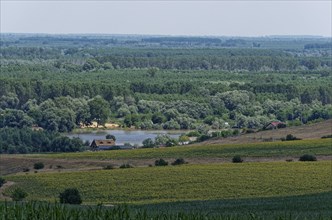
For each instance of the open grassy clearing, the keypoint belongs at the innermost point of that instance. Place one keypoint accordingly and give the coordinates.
(265, 149)
(147, 185)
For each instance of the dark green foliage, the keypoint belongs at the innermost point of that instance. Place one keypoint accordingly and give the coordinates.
(193, 134)
(110, 136)
(203, 137)
(313, 206)
(99, 110)
(38, 166)
(327, 136)
(179, 161)
(70, 196)
(18, 194)
(109, 167)
(2, 181)
(160, 162)
(27, 141)
(308, 157)
(26, 169)
(237, 159)
(60, 84)
(148, 143)
(290, 137)
(126, 165)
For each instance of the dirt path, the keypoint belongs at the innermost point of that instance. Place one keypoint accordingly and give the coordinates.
(2, 189)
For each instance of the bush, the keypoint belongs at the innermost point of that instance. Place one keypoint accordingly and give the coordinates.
(160, 162)
(179, 161)
(38, 166)
(70, 196)
(290, 137)
(109, 167)
(327, 136)
(18, 194)
(171, 143)
(308, 157)
(148, 143)
(203, 138)
(126, 165)
(110, 137)
(2, 181)
(237, 159)
(25, 169)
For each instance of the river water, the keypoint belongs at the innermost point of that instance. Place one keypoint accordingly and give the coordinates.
(126, 136)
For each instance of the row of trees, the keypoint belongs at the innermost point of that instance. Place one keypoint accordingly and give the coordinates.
(238, 108)
(26, 140)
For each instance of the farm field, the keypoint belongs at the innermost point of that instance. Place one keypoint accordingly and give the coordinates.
(197, 154)
(313, 206)
(147, 185)
(283, 190)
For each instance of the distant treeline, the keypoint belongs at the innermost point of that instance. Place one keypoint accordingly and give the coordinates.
(318, 46)
(28, 141)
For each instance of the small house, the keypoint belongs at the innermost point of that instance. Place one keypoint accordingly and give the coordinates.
(275, 125)
(107, 144)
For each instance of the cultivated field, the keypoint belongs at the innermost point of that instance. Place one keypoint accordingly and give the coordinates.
(218, 187)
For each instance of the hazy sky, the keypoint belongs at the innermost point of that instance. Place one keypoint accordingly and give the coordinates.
(223, 18)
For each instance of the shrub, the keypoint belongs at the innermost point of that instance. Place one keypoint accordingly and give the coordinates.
(160, 162)
(203, 138)
(148, 143)
(111, 137)
(179, 161)
(2, 181)
(25, 169)
(171, 143)
(308, 157)
(38, 166)
(291, 137)
(237, 159)
(18, 194)
(126, 165)
(70, 196)
(327, 136)
(109, 167)
(193, 134)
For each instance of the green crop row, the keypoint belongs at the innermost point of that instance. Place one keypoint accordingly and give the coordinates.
(40, 210)
(146, 185)
(265, 149)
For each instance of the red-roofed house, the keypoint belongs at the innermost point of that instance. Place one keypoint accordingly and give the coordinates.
(275, 125)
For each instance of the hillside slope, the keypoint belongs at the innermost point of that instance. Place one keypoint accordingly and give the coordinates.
(310, 131)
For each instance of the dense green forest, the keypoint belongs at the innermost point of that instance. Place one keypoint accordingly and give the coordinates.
(59, 82)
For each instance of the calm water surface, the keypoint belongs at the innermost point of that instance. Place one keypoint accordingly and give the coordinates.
(122, 136)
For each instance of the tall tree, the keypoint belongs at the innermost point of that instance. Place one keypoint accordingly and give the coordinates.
(99, 110)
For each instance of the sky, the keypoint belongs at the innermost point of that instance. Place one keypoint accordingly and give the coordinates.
(201, 18)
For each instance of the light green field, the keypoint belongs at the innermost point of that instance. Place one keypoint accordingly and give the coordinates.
(267, 149)
(147, 185)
